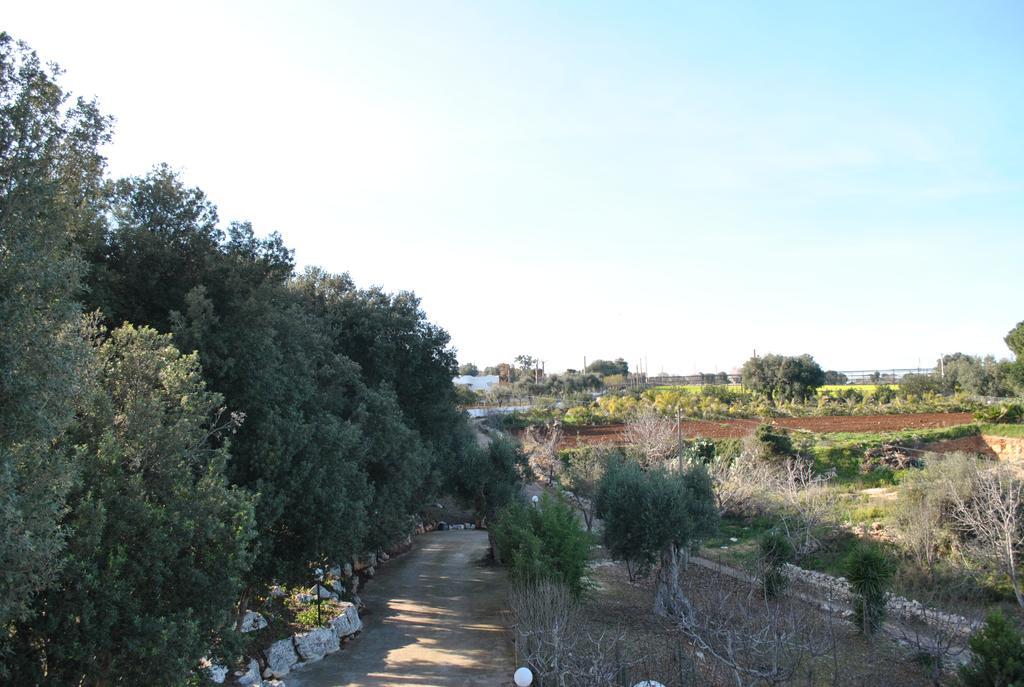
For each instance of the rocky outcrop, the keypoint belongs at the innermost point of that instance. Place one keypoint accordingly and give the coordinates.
(348, 623)
(250, 677)
(252, 621)
(312, 646)
(281, 657)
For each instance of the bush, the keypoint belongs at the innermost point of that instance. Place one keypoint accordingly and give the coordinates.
(541, 543)
(774, 442)
(997, 658)
(1002, 414)
(869, 571)
(774, 551)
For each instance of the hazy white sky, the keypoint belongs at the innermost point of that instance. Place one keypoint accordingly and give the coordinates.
(685, 183)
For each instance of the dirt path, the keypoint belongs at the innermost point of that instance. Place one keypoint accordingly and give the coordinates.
(434, 621)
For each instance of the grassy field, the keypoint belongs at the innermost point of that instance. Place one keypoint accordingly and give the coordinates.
(1003, 430)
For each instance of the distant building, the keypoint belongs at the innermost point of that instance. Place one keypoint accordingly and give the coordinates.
(478, 383)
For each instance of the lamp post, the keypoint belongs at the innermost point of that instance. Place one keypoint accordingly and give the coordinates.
(319, 572)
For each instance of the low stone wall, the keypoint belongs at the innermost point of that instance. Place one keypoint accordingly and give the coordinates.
(838, 589)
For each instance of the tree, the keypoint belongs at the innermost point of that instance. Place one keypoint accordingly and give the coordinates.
(997, 655)
(581, 476)
(468, 370)
(1015, 340)
(833, 377)
(607, 368)
(50, 192)
(656, 515)
(158, 542)
(991, 519)
(652, 438)
(487, 478)
(543, 543)
(789, 378)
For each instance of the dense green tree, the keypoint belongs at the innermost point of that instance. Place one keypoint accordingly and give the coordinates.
(486, 478)
(157, 540)
(777, 377)
(543, 542)
(469, 370)
(609, 367)
(656, 515)
(833, 377)
(997, 655)
(50, 191)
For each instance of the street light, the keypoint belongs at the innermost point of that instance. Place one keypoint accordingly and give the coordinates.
(319, 572)
(523, 677)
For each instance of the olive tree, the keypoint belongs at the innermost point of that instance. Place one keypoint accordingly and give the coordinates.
(655, 516)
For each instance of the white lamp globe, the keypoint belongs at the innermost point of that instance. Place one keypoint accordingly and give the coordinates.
(648, 683)
(523, 677)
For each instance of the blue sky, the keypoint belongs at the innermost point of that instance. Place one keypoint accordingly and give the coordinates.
(684, 182)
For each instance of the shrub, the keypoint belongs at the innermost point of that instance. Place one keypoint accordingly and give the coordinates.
(1002, 414)
(543, 543)
(774, 442)
(869, 571)
(774, 551)
(997, 655)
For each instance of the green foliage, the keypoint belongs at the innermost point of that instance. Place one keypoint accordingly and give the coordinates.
(869, 572)
(488, 479)
(773, 442)
(790, 378)
(158, 543)
(50, 189)
(607, 368)
(1001, 414)
(997, 655)
(544, 542)
(1015, 340)
(469, 369)
(774, 551)
(645, 511)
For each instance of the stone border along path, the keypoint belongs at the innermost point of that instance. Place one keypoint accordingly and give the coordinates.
(837, 592)
(434, 620)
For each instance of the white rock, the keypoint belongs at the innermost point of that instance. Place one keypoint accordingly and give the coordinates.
(277, 591)
(252, 621)
(281, 657)
(338, 587)
(384, 557)
(370, 572)
(347, 623)
(312, 646)
(324, 592)
(251, 677)
(334, 571)
(347, 570)
(215, 671)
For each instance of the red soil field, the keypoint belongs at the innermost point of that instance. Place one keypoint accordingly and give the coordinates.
(735, 429)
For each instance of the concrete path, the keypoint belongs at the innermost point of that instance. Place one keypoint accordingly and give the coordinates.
(434, 621)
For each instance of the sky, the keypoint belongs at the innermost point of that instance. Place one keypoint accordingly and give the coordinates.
(676, 183)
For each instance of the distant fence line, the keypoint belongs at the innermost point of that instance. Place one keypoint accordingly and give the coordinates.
(890, 375)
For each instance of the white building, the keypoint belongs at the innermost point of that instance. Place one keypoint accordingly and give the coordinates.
(478, 383)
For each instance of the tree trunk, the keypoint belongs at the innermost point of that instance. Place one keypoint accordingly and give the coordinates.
(669, 599)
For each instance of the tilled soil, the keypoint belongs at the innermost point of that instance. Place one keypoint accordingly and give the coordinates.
(739, 428)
